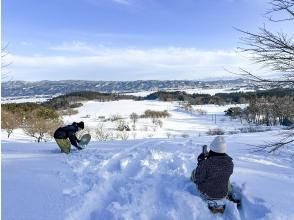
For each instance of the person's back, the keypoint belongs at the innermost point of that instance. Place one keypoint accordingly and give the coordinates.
(66, 131)
(214, 175)
(65, 136)
(213, 171)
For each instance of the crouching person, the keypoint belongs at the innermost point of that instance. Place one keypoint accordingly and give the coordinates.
(65, 136)
(212, 174)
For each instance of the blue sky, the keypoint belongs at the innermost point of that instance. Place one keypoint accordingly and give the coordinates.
(126, 39)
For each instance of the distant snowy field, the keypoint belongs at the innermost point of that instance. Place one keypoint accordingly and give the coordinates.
(43, 98)
(20, 99)
(144, 177)
(194, 90)
(180, 123)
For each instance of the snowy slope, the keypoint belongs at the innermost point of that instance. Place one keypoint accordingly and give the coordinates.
(145, 178)
(139, 179)
(181, 122)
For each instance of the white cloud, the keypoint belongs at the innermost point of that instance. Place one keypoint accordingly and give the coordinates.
(128, 64)
(74, 46)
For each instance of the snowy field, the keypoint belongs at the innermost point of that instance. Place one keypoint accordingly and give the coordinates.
(20, 99)
(144, 177)
(212, 91)
(181, 122)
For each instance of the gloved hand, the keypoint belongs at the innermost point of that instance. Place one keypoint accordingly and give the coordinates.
(79, 147)
(201, 157)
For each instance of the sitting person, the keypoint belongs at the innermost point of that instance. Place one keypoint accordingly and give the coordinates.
(65, 136)
(213, 171)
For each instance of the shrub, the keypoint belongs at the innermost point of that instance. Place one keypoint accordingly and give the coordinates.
(215, 131)
(123, 135)
(115, 117)
(75, 105)
(184, 135)
(253, 129)
(69, 111)
(157, 122)
(187, 107)
(155, 114)
(122, 125)
(201, 111)
(102, 134)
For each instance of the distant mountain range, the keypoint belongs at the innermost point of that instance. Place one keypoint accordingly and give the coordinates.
(50, 88)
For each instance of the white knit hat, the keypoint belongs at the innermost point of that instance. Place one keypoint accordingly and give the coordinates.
(218, 145)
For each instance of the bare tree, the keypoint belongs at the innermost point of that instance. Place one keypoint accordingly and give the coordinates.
(282, 5)
(134, 118)
(38, 129)
(123, 135)
(10, 121)
(274, 50)
(102, 134)
(38, 125)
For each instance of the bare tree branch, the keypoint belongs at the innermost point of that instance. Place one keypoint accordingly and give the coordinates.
(275, 51)
(4, 65)
(286, 6)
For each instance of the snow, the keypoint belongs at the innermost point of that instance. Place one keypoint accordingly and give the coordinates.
(211, 91)
(180, 123)
(21, 99)
(142, 178)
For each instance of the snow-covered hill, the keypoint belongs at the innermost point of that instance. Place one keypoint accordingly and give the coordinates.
(143, 178)
(138, 179)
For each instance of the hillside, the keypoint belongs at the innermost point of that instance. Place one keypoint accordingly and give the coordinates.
(23, 88)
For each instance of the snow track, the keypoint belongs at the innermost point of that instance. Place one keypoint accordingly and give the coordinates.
(145, 180)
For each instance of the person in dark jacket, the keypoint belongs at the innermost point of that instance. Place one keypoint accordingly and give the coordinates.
(66, 136)
(213, 171)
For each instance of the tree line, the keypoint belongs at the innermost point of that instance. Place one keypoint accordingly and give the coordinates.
(267, 111)
(73, 99)
(219, 98)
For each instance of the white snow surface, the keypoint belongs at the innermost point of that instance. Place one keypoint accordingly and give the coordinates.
(144, 178)
(180, 123)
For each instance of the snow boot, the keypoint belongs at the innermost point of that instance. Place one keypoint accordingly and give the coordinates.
(234, 200)
(216, 206)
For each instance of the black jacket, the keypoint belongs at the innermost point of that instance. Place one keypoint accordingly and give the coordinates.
(68, 131)
(212, 175)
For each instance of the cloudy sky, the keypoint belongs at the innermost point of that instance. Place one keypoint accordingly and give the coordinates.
(126, 39)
